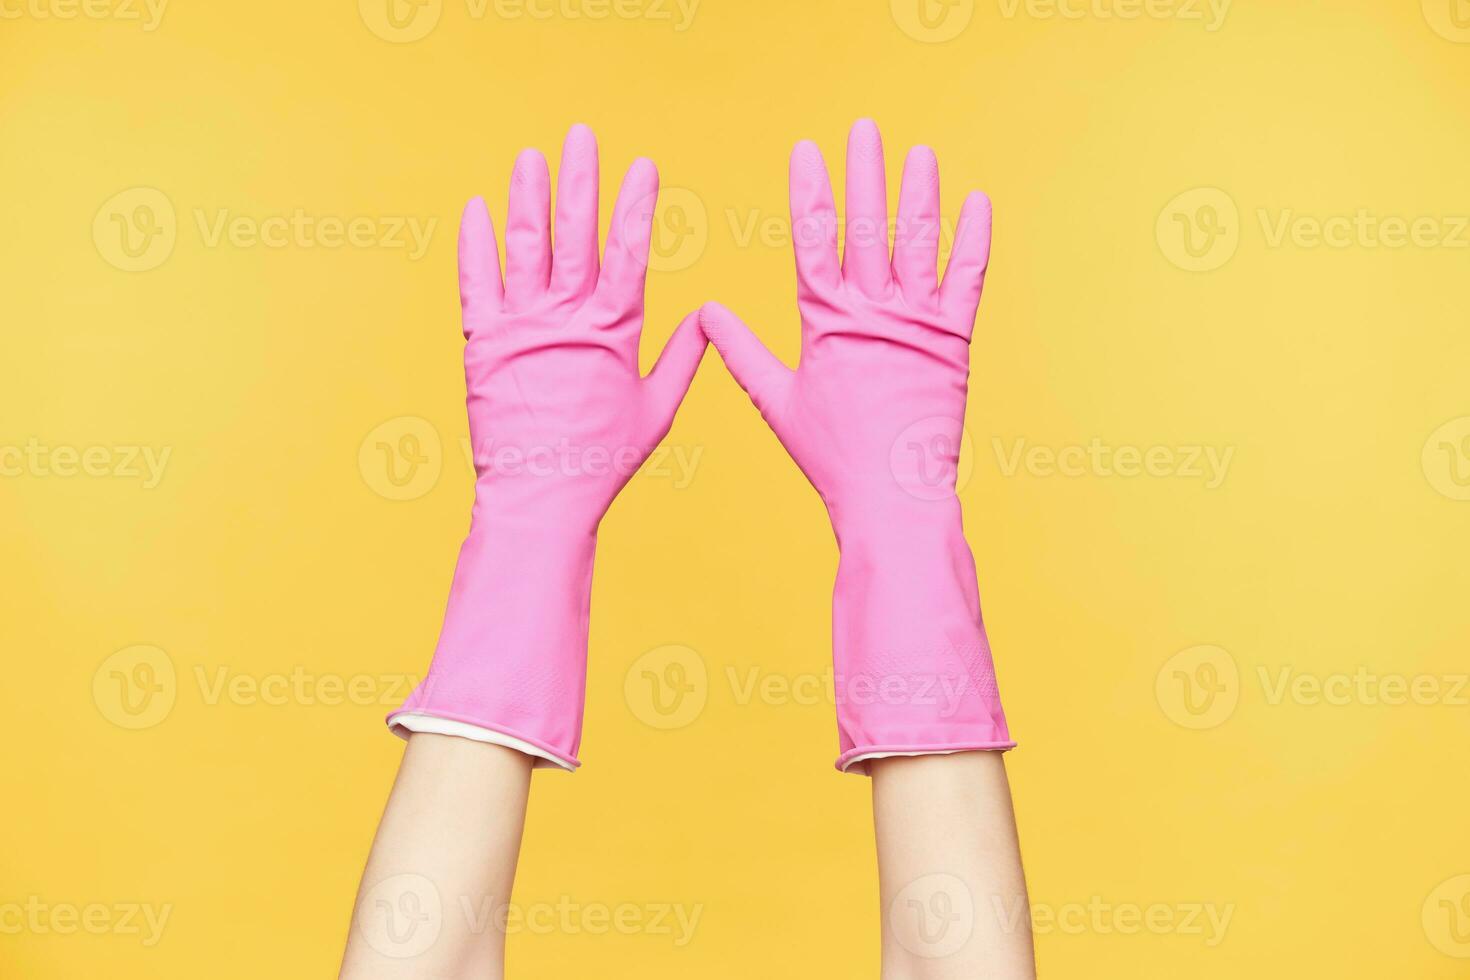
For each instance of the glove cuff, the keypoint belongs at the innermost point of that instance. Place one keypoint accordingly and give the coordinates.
(911, 657)
(512, 656)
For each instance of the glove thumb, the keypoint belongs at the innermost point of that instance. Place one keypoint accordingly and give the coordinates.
(765, 379)
(669, 381)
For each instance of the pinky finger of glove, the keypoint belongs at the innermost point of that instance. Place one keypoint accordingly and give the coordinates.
(964, 279)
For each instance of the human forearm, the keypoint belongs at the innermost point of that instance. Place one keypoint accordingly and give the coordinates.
(442, 865)
(949, 863)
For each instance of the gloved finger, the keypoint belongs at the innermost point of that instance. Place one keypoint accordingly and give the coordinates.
(625, 260)
(813, 219)
(480, 289)
(916, 236)
(528, 230)
(668, 382)
(964, 279)
(865, 261)
(574, 263)
(754, 368)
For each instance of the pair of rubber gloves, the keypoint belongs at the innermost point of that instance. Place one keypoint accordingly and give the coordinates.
(560, 418)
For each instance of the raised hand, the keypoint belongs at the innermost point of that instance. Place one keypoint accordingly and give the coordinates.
(874, 415)
(560, 419)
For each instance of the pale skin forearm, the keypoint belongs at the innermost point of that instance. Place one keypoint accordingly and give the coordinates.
(442, 865)
(949, 862)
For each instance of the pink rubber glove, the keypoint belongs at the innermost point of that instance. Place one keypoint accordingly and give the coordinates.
(560, 420)
(874, 416)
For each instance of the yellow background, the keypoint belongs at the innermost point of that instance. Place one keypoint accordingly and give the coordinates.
(1335, 541)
